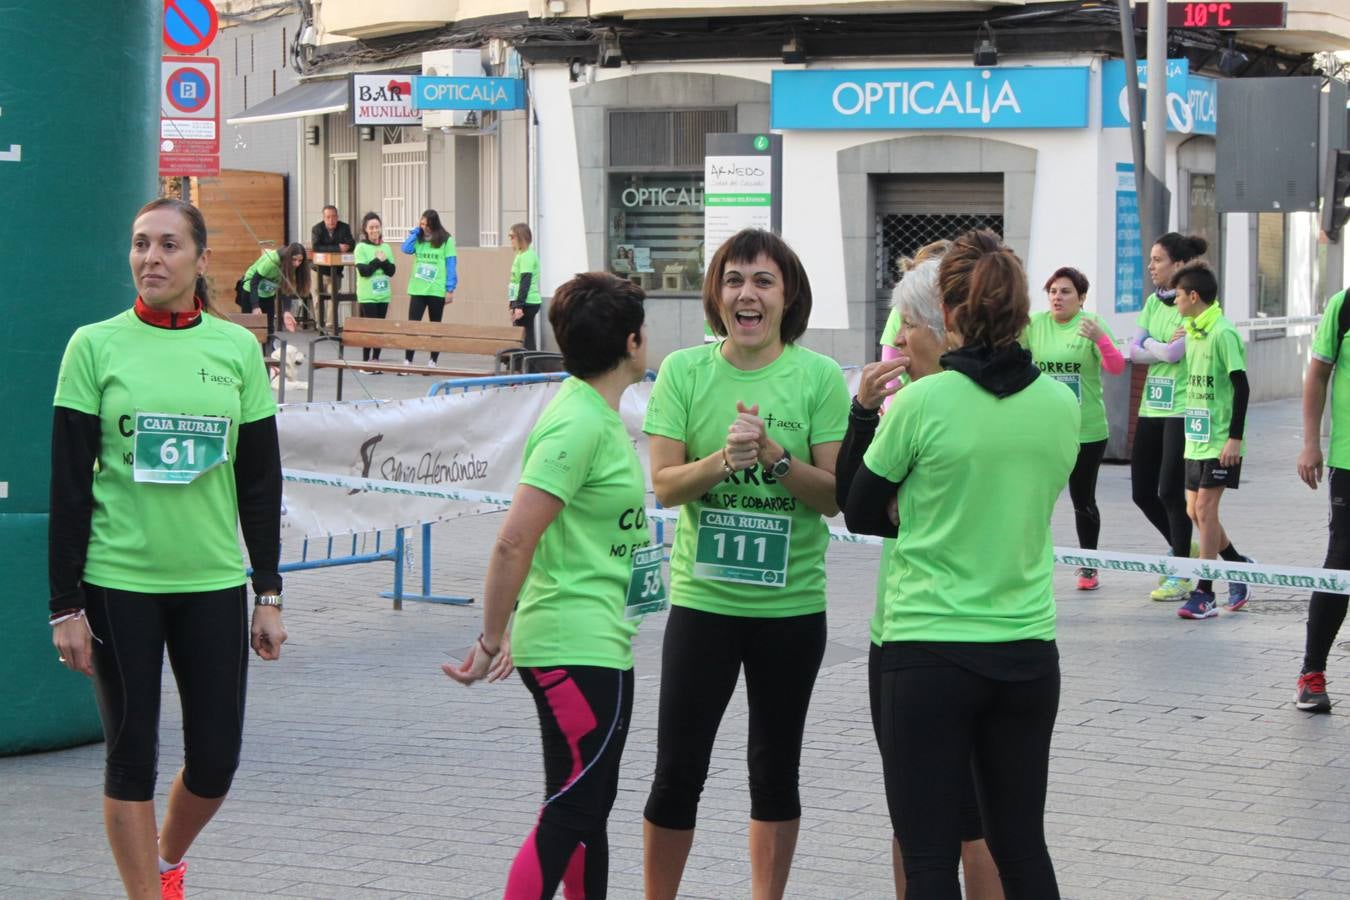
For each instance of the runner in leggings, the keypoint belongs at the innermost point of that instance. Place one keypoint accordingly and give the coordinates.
(374, 267)
(744, 435)
(581, 496)
(918, 342)
(1074, 347)
(1157, 460)
(974, 458)
(435, 272)
(1326, 611)
(173, 405)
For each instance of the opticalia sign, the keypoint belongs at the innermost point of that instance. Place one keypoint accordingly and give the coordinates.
(1004, 97)
(467, 92)
(1192, 100)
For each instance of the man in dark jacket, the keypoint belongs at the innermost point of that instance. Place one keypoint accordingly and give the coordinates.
(330, 236)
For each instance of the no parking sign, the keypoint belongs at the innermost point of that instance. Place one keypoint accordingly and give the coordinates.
(189, 118)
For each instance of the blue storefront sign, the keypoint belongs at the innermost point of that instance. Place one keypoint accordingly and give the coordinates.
(1129, 250)
(1192, 100)
(1003, 97)
(467, 92)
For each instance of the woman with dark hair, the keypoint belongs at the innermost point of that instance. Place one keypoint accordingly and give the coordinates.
(277, 274)
(1157, 460)
(523, 293)
(374, 267)
(581, 494)
(744, 435)
(164, 427)
(435, 274)
(974, 458)
(1074, 347)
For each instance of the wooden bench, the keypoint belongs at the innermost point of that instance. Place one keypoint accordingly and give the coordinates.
(255, 322)
(438, 337)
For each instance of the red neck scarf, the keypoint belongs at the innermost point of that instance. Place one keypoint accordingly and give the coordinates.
(164, 319)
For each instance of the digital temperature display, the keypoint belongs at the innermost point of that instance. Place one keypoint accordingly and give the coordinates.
(1237, 15)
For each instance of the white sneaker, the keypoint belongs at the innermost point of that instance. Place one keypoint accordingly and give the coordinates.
(431, 363)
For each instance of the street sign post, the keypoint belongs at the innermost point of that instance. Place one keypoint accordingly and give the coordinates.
(190, 25)
(189, 116)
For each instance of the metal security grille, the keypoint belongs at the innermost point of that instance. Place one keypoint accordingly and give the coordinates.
(404, 177)
(665, 139)
(489, 184)
(915, 210)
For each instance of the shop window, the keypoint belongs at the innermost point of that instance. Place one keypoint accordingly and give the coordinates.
(1204, 216)
(655, 230)
(1270, 265)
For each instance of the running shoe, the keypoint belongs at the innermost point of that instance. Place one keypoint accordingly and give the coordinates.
(1200, 605)
(432, 364)
(171, 882)
(1312, 692)
(1087, 580)
(1173, 589)
(1238, 592)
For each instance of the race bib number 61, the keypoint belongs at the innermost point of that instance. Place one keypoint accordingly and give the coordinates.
(171, 449)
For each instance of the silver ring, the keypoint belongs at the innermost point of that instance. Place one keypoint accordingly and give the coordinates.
(60, 659)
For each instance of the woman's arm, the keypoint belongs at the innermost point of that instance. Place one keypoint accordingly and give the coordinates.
(862, 427)
(812, 483)
(451, 274)
(532, 511)
(410, 242)
(257, 479)
(75, 444)
(676, 480)
(1112, 361)
(869, 497)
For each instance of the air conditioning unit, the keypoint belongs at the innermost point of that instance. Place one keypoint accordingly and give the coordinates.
(451, 62)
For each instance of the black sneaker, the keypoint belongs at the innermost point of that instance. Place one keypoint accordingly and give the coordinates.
(1312, 692)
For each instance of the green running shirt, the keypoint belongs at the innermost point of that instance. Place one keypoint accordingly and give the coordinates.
(525, 261)
(1066, 356)
(571, 608)
(979, 476)
(163, 538)
(1324, 349)
(748, 526)
(376, 288)
(1209, 405)
(1164, 379)
(268, 269)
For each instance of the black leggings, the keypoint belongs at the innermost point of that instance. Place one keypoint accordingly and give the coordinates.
(700, 662)
(1158, 479)
(1083, 493)
(1326, 611)
(434, 307)
(583, 714)
(972, 829)
(372, 311)
(528, 313)
(937, 723)
(207, 637)
(269, 306)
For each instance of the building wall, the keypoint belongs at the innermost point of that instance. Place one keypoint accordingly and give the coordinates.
(255, 66)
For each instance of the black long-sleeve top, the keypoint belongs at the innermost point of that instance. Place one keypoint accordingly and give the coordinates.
(863, 495)
(76, 437)
(365, 270)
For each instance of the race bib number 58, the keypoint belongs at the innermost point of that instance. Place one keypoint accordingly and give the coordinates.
(171, 449)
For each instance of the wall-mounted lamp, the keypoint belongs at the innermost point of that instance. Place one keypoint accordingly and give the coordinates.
(312, 135)
(986, 50)
(611, 57)
(367, 132)
(794, 51)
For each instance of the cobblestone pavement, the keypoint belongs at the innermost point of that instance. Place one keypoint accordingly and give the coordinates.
(1180, 767)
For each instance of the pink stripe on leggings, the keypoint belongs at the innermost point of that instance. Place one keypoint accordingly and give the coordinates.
(574, 715)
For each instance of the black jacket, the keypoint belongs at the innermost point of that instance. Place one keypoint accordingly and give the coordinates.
(324, 241)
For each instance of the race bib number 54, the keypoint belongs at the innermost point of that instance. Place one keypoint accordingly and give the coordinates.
(747, 548)
(171, 449)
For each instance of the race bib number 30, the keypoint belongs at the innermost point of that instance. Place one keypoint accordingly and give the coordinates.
(646, 587)
(170, 449)
(1197, 425)
(1159, 392)
(426, 272)
(1074, 382)
(747, 548)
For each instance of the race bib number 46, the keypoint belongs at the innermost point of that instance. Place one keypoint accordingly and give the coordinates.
(747, 548)
(646, 586)
(1158, 392)
(1197, 425)
(170, 449)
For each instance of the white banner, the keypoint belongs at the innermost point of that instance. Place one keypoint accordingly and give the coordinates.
(466, 442)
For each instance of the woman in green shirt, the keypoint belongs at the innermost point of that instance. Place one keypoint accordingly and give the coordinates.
(523, 294)
(1157, 458)
(575, 550)
(744, 435)
(974, 457)
(374, 267)
(277, 274)
(435, 272)
(1074, 347)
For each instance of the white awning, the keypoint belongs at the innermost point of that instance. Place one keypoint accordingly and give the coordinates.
(314, 98)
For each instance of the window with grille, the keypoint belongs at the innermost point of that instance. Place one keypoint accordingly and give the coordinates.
(404, 177)
(915, 210)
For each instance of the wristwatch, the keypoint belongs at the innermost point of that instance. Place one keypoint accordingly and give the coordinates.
(780, 468)
(268, 600)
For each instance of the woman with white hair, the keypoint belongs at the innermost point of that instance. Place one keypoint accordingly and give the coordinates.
(914, 352)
